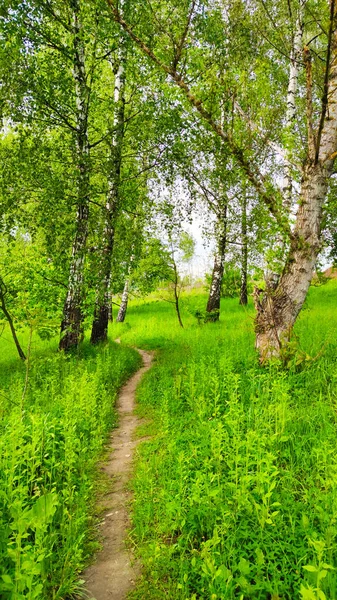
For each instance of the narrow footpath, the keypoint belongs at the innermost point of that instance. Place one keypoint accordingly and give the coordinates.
(114, 572)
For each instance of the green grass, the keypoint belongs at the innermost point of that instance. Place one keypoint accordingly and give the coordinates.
(50, 442)
(236, 492)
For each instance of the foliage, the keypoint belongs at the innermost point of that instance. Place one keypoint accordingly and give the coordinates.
(230, 283)
(153, 268)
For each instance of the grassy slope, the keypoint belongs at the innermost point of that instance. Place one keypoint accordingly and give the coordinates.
(49, 445)
(236, 493)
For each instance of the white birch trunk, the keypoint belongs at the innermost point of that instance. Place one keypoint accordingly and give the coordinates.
(295, 62)
(71, 327)
(274, 268)
(124, 303)
(99, 330)
(125, 295)
(214, 298)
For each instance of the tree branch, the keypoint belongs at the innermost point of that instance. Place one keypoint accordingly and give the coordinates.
(181, 44)
(309, 107)
(278, 149)
(266, 190)
(326, 81)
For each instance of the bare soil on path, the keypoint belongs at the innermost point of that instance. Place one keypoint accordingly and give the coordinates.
(114, 572)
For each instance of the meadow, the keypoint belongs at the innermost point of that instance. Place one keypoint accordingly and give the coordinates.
(235, 486)
(236, 491)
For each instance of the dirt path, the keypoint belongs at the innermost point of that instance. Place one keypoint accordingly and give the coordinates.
(112, 575)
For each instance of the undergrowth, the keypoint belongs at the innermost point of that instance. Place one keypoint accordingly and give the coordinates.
(50, 440)
(236, 492)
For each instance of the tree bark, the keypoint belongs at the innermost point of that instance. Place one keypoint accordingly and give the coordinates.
(125, 296)
(244, 252)
(214, 298)
(124, 303)
(10, 320)
(99, 332)
(110, 315)
(72, 323)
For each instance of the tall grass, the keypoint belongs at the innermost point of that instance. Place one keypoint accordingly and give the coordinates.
(236, 492)
(50, 440)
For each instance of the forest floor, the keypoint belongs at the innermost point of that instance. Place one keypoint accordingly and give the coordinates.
(114, 571)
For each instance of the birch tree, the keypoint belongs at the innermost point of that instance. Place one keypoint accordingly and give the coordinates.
(99, 330)
(125, 295)
(277, 308)
(71, 326)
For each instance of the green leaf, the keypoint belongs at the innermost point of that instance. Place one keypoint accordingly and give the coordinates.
(244, 566)
(310, 568)
(307, 593)
(44, 509)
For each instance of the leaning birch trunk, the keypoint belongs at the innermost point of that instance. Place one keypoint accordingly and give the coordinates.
(71, 326)
(99, 331)
(277, 309)
(214, 298)
(125, 296)
(124, 303)
(244, 252)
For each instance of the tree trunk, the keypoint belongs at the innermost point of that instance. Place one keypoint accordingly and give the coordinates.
(214, 298)
(110, 315)
(295, 61)
(278, 306)
(72, 323)
(125, 296)
(244, 252)
(124, 303)
(176, 304)
(10, 320)
(99, 332)
(176, 294)
(274, 269)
